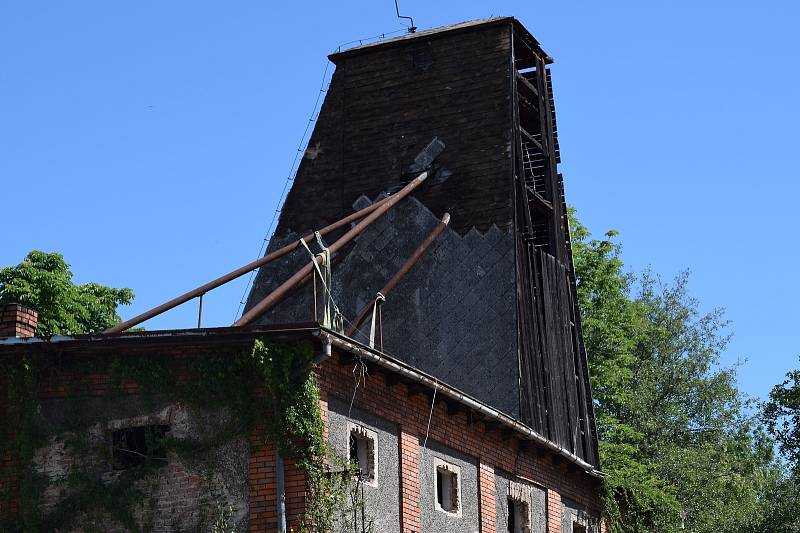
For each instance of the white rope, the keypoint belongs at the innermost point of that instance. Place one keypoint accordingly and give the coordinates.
(331, 315)
(427, 432)
(379, 299)
(360, 365)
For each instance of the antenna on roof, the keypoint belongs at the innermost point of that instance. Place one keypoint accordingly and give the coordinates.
(412, 28)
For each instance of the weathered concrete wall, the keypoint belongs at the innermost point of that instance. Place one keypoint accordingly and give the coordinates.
(382, 502)
(434, 520)
(535, 498)
(187, 492)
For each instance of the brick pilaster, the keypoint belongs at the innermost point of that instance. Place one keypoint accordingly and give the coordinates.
(263, 495)
(409, 483)
(488, 500)
(553, 511)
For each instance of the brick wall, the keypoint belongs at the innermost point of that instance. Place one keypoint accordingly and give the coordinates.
(176, 493)
(486, 485)
(553, 511)
(406, 407)
(410, 408)
(263, 502)
(17, 321)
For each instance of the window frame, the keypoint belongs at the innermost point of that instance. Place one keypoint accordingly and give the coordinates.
(454, 472)
(521, 493)
(363, 434)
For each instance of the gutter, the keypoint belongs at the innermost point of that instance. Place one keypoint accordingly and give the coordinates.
(454, 394)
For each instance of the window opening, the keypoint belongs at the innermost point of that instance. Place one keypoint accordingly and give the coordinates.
(448, 479)
(578, 528)
(362, 452)
(140, 445)
(519, 518)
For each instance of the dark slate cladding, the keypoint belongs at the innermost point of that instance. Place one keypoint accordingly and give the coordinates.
(451, 316)
(490, 308)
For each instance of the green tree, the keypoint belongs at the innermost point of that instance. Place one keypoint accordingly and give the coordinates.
(679, 448)
(782, 413)
(782, 416)
(43, 281)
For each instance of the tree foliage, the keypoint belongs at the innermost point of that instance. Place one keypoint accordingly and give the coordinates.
(680, 447)
(782, 416)
(43, 281)
(782, 413)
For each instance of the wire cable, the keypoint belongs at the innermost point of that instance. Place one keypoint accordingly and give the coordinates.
(289, 179)
(294, 167)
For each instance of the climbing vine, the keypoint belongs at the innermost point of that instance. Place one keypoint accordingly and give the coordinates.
(269, 389)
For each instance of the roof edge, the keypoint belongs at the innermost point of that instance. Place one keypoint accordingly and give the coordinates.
(390, 363)
(310, 329)
(441, 31)
(134, 337)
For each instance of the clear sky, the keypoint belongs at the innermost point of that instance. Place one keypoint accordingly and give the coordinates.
(149, 141)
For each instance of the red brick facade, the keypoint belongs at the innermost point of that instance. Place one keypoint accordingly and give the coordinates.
(492, 449)
(409, 409)
(553, 511)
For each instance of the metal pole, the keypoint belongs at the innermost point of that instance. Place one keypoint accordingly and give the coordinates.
(281, 489)
(314, 296)
(410, 262)
(243, 270)
(200, 312)
(275, 296)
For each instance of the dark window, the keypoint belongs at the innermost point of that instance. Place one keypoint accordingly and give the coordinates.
(139, 445)
(447, 490)
(578, 528)
(439, 489)
(362, 452)
(519, 520)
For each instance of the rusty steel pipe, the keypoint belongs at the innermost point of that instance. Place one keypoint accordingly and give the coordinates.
(242, 271)
(275, 296)
(408, 265)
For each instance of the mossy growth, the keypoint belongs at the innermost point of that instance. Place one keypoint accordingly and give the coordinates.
(267, 390)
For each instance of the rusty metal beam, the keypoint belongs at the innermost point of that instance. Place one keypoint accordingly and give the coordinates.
(199, 291)
(277, 295)
(408, 265)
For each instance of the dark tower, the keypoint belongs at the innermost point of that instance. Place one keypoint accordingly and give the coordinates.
(491, 308)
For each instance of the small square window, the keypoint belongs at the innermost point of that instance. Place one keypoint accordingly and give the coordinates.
(519, 516)
(362, 443)
(578, 528)
(448, 487)
(139, 445)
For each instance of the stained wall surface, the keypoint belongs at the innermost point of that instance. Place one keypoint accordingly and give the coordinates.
(178, 495)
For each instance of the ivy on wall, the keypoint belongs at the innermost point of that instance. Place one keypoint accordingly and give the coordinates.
(269, 390)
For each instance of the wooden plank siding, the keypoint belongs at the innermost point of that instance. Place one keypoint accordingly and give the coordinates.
(556, 398)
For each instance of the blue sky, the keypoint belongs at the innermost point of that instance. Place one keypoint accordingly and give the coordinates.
(148, 141)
